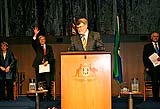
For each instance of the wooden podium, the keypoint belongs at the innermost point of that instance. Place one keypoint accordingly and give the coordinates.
(86, 80)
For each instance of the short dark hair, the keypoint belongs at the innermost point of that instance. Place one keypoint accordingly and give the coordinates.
(41, 37)
(153, 32)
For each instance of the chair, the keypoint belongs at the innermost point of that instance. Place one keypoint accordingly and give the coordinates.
(15, 84)
(147, 85)
(15, 90)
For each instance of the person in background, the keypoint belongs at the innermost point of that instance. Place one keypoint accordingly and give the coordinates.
(7, 72)
(153, 71)
(44, 56)
(86, 40)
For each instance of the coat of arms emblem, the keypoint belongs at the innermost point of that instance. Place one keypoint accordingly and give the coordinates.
(85, 72)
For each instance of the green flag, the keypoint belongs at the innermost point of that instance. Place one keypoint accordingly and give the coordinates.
(117, 72)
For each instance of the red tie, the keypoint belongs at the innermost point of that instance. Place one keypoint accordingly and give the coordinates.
(44, 50)
(44, 53)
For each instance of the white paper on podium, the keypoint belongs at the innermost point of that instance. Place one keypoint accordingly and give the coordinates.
(154, 60)
(43, 69)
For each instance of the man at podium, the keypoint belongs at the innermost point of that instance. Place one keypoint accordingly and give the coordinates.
(86, 40)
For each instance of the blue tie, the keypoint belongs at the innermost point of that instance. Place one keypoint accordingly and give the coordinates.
(156, 48)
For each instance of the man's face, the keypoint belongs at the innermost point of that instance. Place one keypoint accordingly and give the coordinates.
(154, 37)
(42, 40)
(81, 28)
(4, 47)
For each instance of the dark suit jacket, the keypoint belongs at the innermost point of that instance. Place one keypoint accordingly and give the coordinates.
(94, 42)
(148, 51)
(39, 54)
(9, 61)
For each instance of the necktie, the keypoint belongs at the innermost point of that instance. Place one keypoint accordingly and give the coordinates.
(156, 48)
(44, 53)
(44, 49)
(84, 43)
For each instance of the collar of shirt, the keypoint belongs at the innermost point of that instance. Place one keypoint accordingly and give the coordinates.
(155, 45)
(86, 34)
(44, 45)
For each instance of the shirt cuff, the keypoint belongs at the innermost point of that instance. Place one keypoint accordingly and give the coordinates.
(34, 37)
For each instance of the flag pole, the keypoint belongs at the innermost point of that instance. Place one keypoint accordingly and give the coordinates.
(114, 15)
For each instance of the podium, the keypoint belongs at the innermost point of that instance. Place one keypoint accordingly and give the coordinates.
(86, 80)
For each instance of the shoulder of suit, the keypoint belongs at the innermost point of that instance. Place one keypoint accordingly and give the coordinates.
(9, 51)
(49, 46)
(75, 36)
(93, 32)
(149, 44)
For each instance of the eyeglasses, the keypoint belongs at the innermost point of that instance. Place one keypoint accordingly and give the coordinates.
(155, 36)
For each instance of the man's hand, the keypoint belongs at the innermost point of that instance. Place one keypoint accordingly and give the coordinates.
(2, 68)
(45, 64)
(35, 30)
(158, 59)
(7, 69)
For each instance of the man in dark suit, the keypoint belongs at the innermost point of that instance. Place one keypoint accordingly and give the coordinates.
(85, 40)
(7, 72)
(153, 71)
(44, 56)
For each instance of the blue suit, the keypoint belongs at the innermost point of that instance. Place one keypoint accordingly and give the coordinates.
(7, 78)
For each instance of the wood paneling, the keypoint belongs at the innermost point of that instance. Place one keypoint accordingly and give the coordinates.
(131, 54)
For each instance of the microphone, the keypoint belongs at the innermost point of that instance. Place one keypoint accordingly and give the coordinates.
(80, 35)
